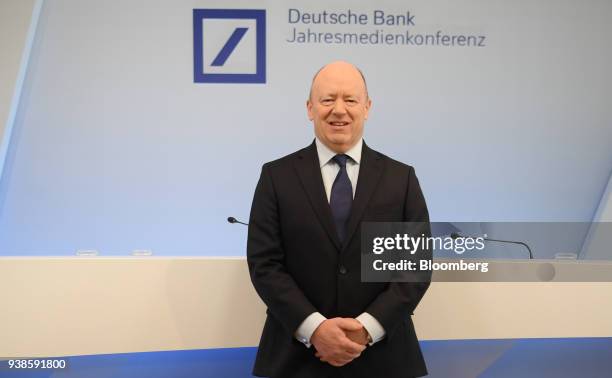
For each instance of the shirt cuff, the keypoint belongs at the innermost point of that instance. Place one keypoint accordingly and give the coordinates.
(307, 328)
(373, 326)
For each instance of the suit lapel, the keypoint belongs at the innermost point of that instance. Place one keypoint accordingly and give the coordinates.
(370, 171)
(309, 171)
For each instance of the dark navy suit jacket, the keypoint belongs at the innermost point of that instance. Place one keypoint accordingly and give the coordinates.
(298, 265)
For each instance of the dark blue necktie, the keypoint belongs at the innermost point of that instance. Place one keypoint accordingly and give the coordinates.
(341, 197)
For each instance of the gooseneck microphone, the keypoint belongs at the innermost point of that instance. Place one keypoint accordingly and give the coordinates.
(456, 235)
(234, 220)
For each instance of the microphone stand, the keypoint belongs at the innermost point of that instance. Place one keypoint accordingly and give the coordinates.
(234, 220)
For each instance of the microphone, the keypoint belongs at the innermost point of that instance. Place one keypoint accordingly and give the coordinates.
(234, 220)
(456, 235)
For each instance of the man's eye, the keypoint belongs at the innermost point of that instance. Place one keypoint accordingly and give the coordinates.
(327, 101)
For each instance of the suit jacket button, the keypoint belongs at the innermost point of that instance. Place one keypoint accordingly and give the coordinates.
(342, 269)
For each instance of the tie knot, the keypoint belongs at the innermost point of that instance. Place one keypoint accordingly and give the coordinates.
(341, 160)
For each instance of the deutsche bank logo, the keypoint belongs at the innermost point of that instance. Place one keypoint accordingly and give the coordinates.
(229, 46)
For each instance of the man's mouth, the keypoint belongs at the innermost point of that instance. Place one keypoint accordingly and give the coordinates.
(339, 124)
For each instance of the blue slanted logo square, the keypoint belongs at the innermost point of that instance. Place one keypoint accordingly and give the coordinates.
(229, 46)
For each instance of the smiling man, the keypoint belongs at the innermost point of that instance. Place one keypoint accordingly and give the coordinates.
(338, 105)
(304, 247)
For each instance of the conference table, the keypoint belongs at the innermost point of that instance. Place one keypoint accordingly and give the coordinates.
(83, 307)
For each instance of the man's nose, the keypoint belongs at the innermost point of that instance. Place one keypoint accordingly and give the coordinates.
(339, 107)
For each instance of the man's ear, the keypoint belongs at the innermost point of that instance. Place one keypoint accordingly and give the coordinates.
(368, 105)
(309, 109)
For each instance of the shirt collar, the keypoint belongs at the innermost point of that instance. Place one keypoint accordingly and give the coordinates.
(325, 154)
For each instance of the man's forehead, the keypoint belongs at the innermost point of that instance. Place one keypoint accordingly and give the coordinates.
(335, 80)
(335, 85)
(339, 76)
(339, 73)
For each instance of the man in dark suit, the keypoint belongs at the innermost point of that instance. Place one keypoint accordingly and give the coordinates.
(304, 247)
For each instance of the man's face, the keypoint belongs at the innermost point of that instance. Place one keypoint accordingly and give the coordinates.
(338, 106)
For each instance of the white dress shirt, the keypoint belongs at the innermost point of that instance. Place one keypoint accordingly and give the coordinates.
(329, 171)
